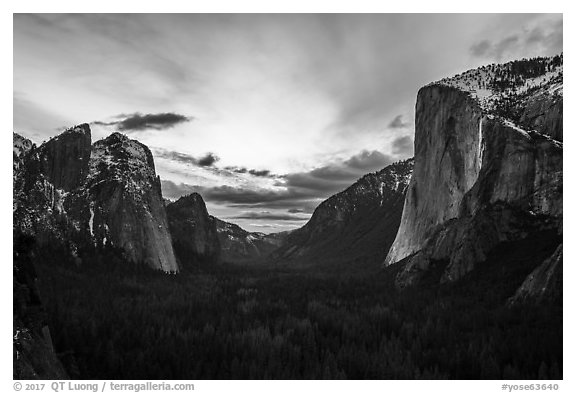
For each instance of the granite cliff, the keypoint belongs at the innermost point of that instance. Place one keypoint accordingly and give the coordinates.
(90, 197)
(488, 166)
(193, 231)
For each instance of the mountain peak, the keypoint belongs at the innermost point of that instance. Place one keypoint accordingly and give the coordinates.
(123, 157)
(190, 199)
(79, 128)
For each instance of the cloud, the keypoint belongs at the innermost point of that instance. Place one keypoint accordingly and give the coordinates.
(151, 121)
(330, 179)
(267, 216)
(403, 146)
(480, 49)
(544, 39)
(208, 160)
(253, 172)
(225, 194)
(306, 200)
(262, 173)
(398, 122)
(369, 161)
(299, 191)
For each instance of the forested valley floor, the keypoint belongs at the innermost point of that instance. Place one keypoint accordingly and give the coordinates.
(226, 322)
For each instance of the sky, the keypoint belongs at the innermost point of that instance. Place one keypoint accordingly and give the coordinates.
(265, 115)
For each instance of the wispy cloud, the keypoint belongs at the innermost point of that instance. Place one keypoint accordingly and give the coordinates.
(253, 172)
(207, 160)
(545, 39)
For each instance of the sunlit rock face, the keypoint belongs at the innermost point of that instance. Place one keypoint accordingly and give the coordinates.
(95, 196)
(480, 178)
(447, 158)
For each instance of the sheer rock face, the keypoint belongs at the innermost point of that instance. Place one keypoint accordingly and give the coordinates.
(193, 232)
(351, 225)
(447, 159)
(105, 196)
(479, 179)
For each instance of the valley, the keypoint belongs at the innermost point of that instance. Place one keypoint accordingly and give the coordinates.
(447, 265)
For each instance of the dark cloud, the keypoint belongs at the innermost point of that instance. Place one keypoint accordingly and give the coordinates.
(226, 194)
(207, 160)
(403, 146)
(330, 179)
(398, 122)
(253, 172)
(267, 216)
(301, 190)
(151, 121)
(299, 201)
(263, 173)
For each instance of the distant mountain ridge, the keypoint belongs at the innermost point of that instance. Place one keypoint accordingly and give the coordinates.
(241, 246)
(354, 227)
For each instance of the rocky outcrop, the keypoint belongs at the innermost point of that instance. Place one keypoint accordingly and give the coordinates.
(544, 283)
(544, 112)
(21, 147)
(240, 246)
(194, 233)
(38, 203)
(354, 227)
(91, 198)
(64, 158)
(479, 179)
